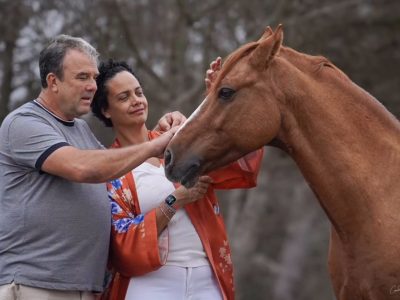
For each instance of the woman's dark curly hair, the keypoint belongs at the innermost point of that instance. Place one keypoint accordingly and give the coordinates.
(107, 70)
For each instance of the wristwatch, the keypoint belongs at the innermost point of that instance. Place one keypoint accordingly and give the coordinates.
(170, 200)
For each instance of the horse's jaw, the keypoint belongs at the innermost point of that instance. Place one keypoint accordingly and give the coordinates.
(189, 176)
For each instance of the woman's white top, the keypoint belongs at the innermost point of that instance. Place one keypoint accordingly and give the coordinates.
(185, 248)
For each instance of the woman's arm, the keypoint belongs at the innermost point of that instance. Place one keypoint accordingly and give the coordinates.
(139, 243)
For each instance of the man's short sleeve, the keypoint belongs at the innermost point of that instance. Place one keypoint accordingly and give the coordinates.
(32, 140)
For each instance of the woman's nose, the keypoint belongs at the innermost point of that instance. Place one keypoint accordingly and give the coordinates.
(135, 100)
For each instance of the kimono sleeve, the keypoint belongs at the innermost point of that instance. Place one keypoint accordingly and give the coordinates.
(136, 248)
(239, 174)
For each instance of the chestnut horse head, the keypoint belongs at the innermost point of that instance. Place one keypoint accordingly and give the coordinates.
(346, 144)
(240, 113)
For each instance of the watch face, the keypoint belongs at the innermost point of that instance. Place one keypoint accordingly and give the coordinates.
(170, 200)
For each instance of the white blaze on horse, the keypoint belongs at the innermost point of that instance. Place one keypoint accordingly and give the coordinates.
(346, 144)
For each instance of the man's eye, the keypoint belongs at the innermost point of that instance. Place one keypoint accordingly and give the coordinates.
(226, 93)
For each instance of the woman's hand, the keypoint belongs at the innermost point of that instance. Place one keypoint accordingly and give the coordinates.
(185, 196)
(212, 72)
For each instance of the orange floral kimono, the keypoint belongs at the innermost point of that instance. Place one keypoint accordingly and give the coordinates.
(136, 248)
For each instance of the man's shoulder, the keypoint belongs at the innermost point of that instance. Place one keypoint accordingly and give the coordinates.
(25, 117)
(25, 110)
(28, 109)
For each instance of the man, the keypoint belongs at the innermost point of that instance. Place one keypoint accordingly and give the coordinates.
(54, 212)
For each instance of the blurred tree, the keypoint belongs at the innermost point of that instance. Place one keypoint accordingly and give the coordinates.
(13, 15)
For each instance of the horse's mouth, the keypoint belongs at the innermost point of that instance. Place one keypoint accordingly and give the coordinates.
(191, 176)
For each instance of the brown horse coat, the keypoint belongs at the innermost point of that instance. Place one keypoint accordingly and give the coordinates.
(346, 144)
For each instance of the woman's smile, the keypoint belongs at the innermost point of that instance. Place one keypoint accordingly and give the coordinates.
(137, 111)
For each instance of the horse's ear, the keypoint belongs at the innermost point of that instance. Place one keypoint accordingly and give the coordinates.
(267, 32)
(267, 49)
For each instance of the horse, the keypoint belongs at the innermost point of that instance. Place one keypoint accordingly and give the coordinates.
(345, 143)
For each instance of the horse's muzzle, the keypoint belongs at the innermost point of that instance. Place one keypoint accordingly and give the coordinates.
(186, 171)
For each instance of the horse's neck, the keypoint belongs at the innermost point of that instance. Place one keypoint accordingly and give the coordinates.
(348, 148)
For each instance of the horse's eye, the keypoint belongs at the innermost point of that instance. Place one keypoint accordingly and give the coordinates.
(226, 93)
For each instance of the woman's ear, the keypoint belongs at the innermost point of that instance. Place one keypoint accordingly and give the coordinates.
(105, 113)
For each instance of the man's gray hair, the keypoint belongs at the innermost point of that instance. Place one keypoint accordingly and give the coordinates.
(52, 57)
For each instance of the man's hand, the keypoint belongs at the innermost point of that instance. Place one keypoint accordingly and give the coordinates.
(158, 144)
(169, 121)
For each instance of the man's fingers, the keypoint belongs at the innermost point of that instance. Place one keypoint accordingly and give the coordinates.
(164, 123)
(206, 179)
(168, 119)
(173, 130)
(177, 123)
(177, 118)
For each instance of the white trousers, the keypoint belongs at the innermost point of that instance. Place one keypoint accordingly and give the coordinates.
(14, 291)
(175, 283)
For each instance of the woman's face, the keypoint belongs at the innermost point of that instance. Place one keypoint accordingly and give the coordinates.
(127, 105)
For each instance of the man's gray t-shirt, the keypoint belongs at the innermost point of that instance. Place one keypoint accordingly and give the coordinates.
(54, 233)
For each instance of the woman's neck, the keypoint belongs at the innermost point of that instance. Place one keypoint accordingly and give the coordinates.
(131, 135)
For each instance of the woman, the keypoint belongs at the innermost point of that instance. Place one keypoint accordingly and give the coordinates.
(168, 242)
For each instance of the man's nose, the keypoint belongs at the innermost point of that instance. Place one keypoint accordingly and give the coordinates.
(92, 85)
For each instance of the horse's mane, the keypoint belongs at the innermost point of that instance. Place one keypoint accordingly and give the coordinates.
(231, 60)
(298, 59)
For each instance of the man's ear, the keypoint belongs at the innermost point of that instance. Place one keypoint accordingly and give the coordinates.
(52, 82)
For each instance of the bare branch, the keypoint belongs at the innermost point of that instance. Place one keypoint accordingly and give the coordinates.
(132, 44)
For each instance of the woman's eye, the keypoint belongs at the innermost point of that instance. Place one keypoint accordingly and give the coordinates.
(226, 93)
(139, 92)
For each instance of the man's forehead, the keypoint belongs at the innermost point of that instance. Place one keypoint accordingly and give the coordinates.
(78, 62)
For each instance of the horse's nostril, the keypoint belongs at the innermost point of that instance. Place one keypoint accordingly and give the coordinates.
(167, 157)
